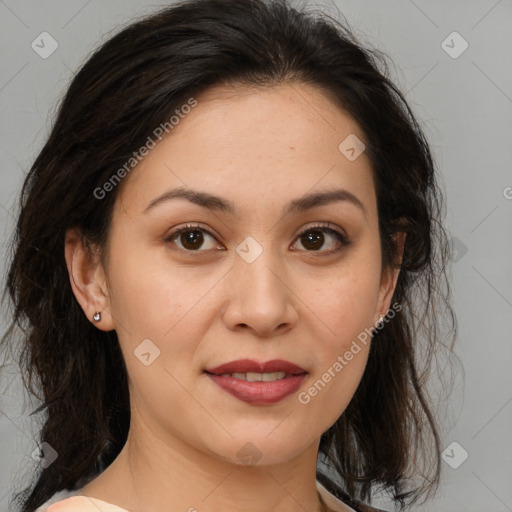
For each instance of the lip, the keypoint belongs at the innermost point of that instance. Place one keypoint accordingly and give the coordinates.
(259, 392)
(249, 365)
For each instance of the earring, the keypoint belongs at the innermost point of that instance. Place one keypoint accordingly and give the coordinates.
(97, 316)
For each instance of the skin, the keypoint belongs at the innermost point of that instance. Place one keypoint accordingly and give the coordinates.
(259, 148)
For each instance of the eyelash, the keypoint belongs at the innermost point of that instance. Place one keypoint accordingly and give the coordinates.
(342, 239)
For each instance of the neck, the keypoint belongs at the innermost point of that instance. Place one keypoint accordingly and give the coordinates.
(155, 475)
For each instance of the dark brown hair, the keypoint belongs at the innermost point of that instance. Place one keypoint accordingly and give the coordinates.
(387, 437)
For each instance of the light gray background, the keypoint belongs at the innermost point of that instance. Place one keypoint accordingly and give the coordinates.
(465, 105)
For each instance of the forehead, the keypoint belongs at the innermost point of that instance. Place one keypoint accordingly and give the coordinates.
(254, 142)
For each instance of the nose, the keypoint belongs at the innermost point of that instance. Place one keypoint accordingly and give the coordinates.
(259, 296)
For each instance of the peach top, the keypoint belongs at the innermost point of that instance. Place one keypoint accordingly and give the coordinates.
(73, 501)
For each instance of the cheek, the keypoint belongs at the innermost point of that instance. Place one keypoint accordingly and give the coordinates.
(344, 312)
(151, 296)
(342, 354)
(167, 305)
(331, 388)
(346, 302)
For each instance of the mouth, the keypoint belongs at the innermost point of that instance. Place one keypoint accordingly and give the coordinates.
(256, 376)
(258, 383)
(249, 368)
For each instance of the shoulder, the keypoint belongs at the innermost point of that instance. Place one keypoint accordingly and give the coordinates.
(58, 496)
(361, 507)
(83, 504)
(338, 500)
(67, 501)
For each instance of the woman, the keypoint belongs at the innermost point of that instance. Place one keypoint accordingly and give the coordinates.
(219, 257)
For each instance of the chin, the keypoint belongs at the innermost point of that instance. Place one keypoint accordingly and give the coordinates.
(258, 450)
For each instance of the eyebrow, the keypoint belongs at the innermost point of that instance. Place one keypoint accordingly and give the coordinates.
(212, 202)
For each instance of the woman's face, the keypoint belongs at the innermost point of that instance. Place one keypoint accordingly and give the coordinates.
(243, 282)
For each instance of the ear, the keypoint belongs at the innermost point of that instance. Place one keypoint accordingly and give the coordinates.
(87, 278)
(389, 278)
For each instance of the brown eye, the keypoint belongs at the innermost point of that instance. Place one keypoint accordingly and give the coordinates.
(191, 239)
(314, 238)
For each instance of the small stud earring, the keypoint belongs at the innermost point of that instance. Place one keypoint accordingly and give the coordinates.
(97, 316)
(380, 325)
